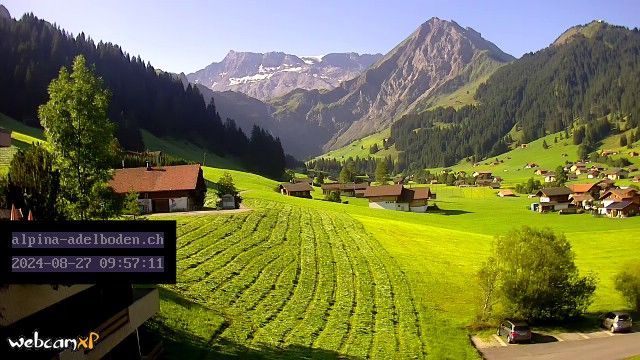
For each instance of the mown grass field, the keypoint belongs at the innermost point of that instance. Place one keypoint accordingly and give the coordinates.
(308, 278)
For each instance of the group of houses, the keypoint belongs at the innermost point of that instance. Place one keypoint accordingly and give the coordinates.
(580, 168)
(390, 197)
(603, 198)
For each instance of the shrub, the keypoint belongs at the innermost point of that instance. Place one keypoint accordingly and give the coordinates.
(531, 274)
(628, 283)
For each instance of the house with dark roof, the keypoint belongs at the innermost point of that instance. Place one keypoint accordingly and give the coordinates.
(397, 197)
(162, 189)
(345, 189)
(301, 189)
(616, 174)
(621, 209)
(5, 137)
(554, 198)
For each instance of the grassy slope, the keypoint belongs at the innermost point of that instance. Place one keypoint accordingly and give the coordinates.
(187, 151)
(439, 252)
(360, 148)
(512, 169)
(24, 135)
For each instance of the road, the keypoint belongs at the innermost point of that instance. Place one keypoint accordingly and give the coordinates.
(620, 346)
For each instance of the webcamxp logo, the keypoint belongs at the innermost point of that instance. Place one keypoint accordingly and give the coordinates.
(37, 343)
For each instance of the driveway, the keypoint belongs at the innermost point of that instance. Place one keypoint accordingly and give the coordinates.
(596, 345)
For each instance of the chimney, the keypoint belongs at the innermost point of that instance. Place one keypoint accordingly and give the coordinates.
(148, 166)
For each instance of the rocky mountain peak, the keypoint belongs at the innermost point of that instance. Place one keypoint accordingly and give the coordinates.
(272, 74)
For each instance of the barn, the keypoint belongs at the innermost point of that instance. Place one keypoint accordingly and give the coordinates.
(163, 189)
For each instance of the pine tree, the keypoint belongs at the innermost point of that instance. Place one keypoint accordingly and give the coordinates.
(382, 173)
(623, 140)
(544, 144)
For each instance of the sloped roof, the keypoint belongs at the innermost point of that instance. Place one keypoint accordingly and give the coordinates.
(301, 186)
(582, 197)
(620, 193)
(418, 193)
(581, 188)
(166, 178)
(384, 190)
(619, 205)
(506, 192)
(554, 191)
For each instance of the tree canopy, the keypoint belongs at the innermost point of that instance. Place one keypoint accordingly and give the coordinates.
(534, 277)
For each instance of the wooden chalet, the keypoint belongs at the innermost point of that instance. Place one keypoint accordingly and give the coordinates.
(162, 189)
(301, 189)
(506, 193)
(591, 189)
(345, 189)
(397, 197)
(616, 174)
(554, 198)
(621, 209)
(550, 177)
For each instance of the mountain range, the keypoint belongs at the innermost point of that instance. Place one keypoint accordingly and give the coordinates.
(269, 75)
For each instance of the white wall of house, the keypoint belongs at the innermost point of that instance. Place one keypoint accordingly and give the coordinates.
(179, 204)
(146, 206)
(607, 202)
(389, 205)
(544, 199)
(418, 208)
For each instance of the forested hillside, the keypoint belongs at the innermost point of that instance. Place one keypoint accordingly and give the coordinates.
(33, 51)
(592, 73)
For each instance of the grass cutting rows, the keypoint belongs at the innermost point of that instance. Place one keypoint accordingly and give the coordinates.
(283, 276)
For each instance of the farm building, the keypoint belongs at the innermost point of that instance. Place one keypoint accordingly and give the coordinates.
(483, 175)
(554, 198)
(162, 189)
(581, 201)
(616, 174)
(531, 166)
(636, 178)
(541, 172)
(397, 197)
(616, 195)
(621, 209)
(301, 189)
(345, 189)
(506, 193)
(579, 166)
(633, 153)
(303, 180)
(5, 137)
(593, 174)
(550, 177)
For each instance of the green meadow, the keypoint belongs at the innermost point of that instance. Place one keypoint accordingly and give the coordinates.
(419, 295)
(306, 278)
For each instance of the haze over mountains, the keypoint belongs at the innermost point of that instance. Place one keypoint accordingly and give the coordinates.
(269, 75)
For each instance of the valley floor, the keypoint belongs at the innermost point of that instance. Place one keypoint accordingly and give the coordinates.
(306, 278)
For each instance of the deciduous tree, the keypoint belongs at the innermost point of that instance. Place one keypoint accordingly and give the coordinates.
(79, 134)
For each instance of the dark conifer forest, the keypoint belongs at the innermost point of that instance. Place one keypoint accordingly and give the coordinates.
(33, 51)
(559, 87)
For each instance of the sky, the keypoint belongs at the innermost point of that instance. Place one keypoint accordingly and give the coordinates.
(187, 35)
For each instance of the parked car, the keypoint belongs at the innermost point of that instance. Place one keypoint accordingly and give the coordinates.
(617, 321)
(515, 331)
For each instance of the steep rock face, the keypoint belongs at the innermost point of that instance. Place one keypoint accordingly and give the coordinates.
(423, 65)
(273, 74)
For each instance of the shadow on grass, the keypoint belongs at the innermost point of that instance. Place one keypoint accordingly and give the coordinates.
(448, 212)
(180, 343)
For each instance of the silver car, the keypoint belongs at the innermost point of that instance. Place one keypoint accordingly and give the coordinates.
(515, 331)
(617, 321)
